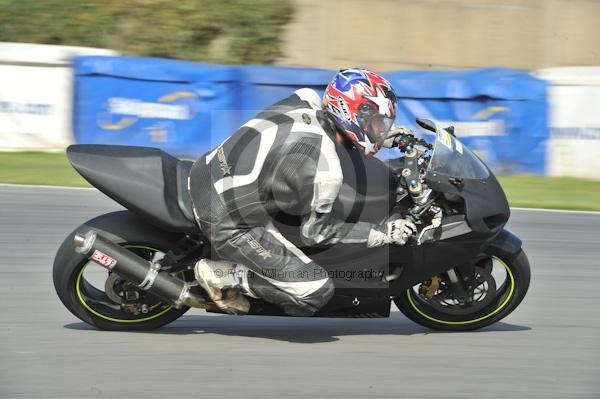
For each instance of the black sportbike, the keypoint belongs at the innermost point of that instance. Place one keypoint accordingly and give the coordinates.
(133, 269)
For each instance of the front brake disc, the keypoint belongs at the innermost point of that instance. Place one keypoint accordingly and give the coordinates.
(484, 293)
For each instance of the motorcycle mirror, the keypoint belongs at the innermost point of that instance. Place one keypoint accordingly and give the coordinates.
(426, 124)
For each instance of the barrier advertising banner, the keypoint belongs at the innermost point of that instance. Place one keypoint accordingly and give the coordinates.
(188, 108)
(500, 114)
(184, 108)
(36, 86)
(574, 97)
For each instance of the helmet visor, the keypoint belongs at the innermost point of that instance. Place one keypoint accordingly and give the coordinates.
(377, 127)
(375, 124)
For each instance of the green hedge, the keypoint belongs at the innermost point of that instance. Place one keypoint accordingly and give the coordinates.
(243, 31)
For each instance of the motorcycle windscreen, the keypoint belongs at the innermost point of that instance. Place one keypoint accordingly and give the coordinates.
(452, 158)
(486, 206)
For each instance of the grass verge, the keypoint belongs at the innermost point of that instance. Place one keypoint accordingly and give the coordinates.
(522, 191)
(51, 169)
(552, 192)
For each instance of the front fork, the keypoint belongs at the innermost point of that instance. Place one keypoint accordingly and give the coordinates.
(463, 281)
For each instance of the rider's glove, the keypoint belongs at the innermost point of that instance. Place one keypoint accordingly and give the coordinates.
(394, 132)
(393, 232)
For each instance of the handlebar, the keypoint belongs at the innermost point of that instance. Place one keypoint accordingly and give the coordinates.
(404, 140)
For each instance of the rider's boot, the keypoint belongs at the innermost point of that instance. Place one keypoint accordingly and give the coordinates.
(222, 284)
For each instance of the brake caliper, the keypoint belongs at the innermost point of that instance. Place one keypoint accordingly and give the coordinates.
(430, 287)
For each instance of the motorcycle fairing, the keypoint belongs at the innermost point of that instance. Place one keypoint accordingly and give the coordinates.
(147, 181)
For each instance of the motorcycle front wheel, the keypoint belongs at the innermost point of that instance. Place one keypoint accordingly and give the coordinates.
(501, 286)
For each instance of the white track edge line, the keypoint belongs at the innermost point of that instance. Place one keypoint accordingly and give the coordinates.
(42, 186)
(556, 210)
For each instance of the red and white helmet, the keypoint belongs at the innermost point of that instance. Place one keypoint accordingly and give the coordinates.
(363, 106)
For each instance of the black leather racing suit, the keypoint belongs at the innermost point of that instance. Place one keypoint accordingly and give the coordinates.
(283, 160)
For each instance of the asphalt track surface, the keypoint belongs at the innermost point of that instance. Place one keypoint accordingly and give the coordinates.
(548, 348)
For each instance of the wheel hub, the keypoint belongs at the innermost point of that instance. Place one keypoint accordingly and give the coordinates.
(439, 294)
(126, 295)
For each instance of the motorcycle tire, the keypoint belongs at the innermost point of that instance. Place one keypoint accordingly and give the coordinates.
(511, 293)
(90, 304)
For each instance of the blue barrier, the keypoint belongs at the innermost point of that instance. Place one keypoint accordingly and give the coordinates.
(187, 108)
(261, 86)
(501, 114)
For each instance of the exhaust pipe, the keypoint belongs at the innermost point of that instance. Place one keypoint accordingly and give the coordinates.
(145, 274)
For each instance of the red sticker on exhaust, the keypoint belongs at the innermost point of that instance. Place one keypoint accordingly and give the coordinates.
(103, 260)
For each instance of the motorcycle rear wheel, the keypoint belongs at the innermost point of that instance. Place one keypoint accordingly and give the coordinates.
(87, 300)
(508, 296)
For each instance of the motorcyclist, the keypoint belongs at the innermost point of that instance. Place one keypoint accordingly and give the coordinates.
(285, 160)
